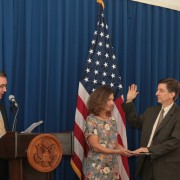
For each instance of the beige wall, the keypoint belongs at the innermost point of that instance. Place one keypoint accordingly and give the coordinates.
(171, 4)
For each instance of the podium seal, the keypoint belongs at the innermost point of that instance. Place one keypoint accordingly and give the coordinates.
(44, 153)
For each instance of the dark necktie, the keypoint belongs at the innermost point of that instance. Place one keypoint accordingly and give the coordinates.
(160, 118)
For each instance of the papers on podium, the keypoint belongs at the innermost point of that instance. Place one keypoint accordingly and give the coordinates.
(32, 127)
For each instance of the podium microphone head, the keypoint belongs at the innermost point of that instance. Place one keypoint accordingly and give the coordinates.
(13, 101)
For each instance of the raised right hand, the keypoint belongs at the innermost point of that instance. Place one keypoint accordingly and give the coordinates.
(132, 93)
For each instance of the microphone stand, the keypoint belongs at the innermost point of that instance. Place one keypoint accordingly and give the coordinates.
(15, 120)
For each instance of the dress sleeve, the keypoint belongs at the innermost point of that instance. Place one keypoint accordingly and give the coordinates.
(90, 127)
(114, 124)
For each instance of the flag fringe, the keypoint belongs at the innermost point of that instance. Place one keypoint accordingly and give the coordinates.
(76, 170)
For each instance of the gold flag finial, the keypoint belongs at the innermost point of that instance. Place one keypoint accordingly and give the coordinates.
(101, 2)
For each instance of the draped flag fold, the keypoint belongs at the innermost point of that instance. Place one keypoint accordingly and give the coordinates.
(101, 68)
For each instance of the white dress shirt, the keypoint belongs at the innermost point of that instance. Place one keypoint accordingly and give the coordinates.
(166, 109)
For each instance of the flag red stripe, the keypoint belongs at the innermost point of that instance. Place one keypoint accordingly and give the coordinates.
(120, 140)
(118, 103)
(125, 164)
(124, 159)
(78, 165)
(77, 160)
(82, 107)
(78, 133)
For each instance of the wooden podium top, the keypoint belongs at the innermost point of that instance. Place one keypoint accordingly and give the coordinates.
(14, 145)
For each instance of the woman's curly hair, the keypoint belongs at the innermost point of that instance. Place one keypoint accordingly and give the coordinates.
(98, 99)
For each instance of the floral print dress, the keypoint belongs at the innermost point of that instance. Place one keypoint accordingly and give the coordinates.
(101, 166)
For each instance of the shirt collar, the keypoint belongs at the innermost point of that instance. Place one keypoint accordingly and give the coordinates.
(166, 109)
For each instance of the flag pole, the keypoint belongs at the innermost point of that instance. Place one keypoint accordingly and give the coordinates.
(101, 2)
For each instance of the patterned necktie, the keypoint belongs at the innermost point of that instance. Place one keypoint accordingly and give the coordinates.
(160, 118)
(2, 128)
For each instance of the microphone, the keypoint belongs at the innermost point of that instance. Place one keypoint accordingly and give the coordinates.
(15, 104)
(13, 101)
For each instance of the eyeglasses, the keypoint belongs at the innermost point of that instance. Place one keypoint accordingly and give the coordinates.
(3, 86)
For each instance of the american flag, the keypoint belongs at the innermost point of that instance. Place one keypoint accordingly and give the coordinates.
(101, 69)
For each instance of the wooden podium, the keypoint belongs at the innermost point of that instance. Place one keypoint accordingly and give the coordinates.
(14, 147)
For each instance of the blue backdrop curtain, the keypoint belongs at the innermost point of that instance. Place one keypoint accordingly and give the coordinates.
(43, 49)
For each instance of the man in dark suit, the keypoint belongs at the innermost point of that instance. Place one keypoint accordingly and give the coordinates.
(160, 137)
(4, 124)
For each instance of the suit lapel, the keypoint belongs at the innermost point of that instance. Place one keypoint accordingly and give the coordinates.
(166, 118)
(151, 122)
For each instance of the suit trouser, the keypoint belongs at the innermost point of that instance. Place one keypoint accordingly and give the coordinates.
(147, 171)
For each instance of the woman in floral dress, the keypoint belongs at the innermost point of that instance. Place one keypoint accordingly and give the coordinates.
(101, 135)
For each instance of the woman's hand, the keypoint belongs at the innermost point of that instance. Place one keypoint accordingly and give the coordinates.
(140, 151)
(123, 152)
